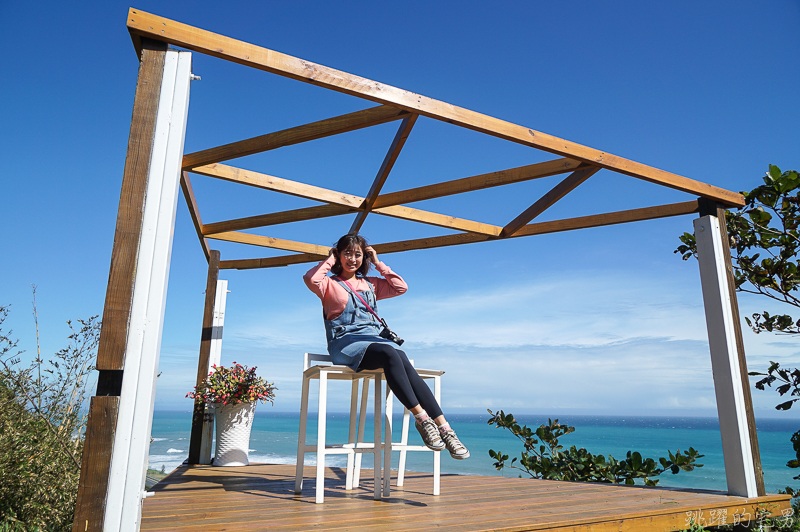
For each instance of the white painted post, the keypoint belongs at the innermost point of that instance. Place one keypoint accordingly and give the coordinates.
(132, 436)
(731, 409)
(214, 358)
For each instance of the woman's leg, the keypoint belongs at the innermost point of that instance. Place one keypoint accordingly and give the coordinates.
(423, 393)
(394, 364)
(403, 379)
(415, 395)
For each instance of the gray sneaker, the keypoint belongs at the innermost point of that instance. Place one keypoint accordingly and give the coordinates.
(454, 445)
(430, 434)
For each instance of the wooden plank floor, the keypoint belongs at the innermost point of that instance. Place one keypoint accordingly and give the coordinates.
(261, 497)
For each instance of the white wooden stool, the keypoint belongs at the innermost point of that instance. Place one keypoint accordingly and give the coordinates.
(403, 446)
(323, 370)
(356, 446)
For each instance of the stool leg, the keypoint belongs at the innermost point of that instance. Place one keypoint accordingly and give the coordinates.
(437, 456)
(351, 436)
(301, 438)
(387, 441)
(401, 468)
(323, 400)
(376, 448)
(362, 420)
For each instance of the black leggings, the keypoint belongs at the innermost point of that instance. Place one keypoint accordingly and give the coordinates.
(403, 379)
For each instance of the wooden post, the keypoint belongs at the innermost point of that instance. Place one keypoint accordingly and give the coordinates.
(214, 358)
(103, 408)
(734, 405)
(118, 436)
(199, 413)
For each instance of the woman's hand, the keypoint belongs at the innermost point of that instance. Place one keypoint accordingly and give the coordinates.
(371, 254)
(333, 252)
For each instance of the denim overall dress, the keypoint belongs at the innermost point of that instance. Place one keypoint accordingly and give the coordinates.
(351, 333)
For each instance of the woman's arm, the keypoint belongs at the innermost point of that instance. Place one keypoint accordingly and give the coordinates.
(391, 285)
(316, 278)
(333, 296)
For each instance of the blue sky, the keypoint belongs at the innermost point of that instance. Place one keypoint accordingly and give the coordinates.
(605, 320)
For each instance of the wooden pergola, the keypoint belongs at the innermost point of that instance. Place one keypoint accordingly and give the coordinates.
(117, 438)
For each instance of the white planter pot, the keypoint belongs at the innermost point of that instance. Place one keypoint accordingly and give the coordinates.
(233, 425)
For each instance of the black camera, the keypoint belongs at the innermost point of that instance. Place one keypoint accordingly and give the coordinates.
(387, 333)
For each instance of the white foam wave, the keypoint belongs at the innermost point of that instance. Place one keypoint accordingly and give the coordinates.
(271, 458)
(175, 450)
(159, 439)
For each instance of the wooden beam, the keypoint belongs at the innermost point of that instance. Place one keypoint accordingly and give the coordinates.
(90, 506)
(269, 262)
(440, 220)
(198, 414)
(556, 226)
(116, 312)
(286, 186)
(278, 184)
(545, 202)
(95, 463)
(276, 218)
(611, 218)
(316, 130)
(388, 162)
(194, 212)
(191, 38)
(269, 242)
(478, 182)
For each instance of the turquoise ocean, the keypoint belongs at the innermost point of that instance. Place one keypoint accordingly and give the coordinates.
(274, 440)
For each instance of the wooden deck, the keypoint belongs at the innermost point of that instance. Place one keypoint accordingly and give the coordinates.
(261, 497)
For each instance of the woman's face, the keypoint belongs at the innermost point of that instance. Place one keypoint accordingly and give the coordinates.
(351, 259)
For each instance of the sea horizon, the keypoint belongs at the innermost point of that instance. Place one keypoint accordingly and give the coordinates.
(274, 440)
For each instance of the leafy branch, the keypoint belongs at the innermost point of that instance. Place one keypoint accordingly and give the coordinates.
(764, 241)
(544, 457)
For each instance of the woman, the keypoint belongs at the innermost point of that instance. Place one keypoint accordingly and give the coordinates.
(352, 329)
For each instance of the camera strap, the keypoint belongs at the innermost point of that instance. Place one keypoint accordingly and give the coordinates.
(361, 298)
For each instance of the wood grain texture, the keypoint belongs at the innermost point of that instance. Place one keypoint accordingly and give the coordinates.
(269, 262)
(611, 218)
(477, 182)
(440, 220)
(278, 184)
(250, 498)
(199, 410)
(351, 202)
(556, 226)
(269, 242)
(383, 173)
(119, 294)
(717, 210)
(196, 39)
(276, 218)
(95, 464)
(287, 137)
(194, 212)
(548, 200)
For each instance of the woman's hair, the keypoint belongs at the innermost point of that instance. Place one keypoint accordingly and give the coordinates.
(353, 240)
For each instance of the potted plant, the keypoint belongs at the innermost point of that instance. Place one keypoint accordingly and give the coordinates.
(233, 392)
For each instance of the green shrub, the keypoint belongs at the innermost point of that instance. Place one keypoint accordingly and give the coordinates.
(41, 430)
(544, 457)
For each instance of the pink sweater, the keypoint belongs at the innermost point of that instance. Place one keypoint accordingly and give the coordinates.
(334, 296)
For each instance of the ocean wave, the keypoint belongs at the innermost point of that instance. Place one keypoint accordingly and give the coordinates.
(272, 458)
(175, 450)
(160, 439)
